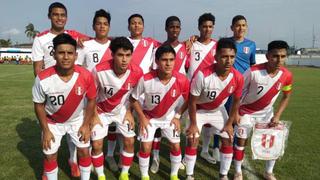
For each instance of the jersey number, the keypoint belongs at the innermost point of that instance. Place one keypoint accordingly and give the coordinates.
(155, 99)
(260, 89)
(95, 57)
(51, 50)
(211, 95)
(108, 91)
(57, 100)
(197, 58)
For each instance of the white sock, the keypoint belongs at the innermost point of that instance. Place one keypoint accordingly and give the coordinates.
(175, 163)
(127, 159)
(72, 150)
(206, 137)
(225, 159)
(144, 164)
(269, 166)
(237, 166)
(100, 169)
(85, 172)
(52, 175)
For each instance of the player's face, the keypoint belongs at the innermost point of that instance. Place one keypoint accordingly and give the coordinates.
(173, 29)
(225, 58)
(166, 63)
(136, 26)
(101, 27)
(206, 29)
(58, 18)
(65, 56)
(276, 58)
(121, 59)
(239, 28)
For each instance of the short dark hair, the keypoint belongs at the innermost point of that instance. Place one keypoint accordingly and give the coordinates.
(164, 49)
(101, 13)
(237, 18)
(170, 19)
(120, 42)
(206, 17)
(278, 44)
(56, 5)
(135, 15)
(226, 43)
(63, 38)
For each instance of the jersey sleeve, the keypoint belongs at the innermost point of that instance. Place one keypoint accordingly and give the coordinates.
(186, 90)
(240, 82)
(138, 90)
(154, 65)
(38, 95)
(91, 91)
(197, 84)
(81, 56)
(287, 87)
(37, 51)
(253, 55)
(247, 80)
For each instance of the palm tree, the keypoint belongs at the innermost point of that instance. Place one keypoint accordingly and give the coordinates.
(5, 43)
(30, 31)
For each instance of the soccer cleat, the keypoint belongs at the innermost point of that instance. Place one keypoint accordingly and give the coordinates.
(238, 176)
(269, 176)
(155, 166)
(216, 154)
(224, 178)
(208, 158)
(124, 176)
(145, 178)
(112, 164)
(174, 177)
(190, 177)
(182, 165)
(74, 168)
(103, 177)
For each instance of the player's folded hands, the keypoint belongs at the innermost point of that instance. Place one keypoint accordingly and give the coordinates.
(192, 132)
(143, 126)
(129, 117)
(84, 133)
(229, 130)
(176, 123)
(47, 137)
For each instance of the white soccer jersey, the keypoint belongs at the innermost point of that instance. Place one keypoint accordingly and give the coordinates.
(180, 61)
(94, 53)
(42, 48)
(142, 52)
(213, 91)
(162, 101)
(201, 56)
(64, 101)
(261, 91)
(113, 92)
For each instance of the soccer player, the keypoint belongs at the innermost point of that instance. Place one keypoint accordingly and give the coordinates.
(202, 55)
(42, 57)
(166, 94)
(209, 91)
(115, 80)
(173, 28)
(58, 95)
(262, 86)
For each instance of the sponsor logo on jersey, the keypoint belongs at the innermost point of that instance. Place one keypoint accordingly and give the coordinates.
(267, 140)
(246, 50)
(79, 91)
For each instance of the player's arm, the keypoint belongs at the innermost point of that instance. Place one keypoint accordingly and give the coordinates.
(253, 55)
(282, 106)
(37, 57)
(233, 116)
(37, 67)
(129, 117)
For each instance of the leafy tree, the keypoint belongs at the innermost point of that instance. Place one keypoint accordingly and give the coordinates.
(30, 31)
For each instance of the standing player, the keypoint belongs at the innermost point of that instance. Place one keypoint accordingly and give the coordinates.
(166, 94)
(115, 80)
(173, 28)
(58, 95)
(209, 91)
(42, 57)
(263, 84)
(202, 55)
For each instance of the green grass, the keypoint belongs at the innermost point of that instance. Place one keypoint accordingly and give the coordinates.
(21, 156)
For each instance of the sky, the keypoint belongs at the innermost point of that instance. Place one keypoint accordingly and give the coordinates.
(295, 21)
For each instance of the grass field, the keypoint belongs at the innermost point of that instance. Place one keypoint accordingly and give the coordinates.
(20, 152)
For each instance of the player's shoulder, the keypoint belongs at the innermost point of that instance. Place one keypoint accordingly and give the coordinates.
(286, 71)
(47, 73)
(248, 41)
(207, 71)
(150, 75)
(83, 71)
(258, 67)
(135, 68)
(237, 74)
(43, 33)
(104, 66)
(180, 77)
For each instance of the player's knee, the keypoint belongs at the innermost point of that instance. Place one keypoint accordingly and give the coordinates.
(225, 141)
(145, 147)
(193, 142)
(175, 147)
(241, 142)
(50, 157)
(83, 152)
(128, 143)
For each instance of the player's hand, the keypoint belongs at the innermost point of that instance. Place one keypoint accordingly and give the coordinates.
(81, 41)
(129, 117)
(143, 126)
(84, 133)
(47, 137)
(229, 130)
(176, 123)
(193, 132)
(237, 119)
(96, 120)
(274, 121)
(190, 42)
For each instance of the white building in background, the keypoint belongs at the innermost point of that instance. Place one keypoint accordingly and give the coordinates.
(15, 53)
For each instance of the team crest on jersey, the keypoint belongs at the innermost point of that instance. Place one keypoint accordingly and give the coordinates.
(231, 88)
(279, 86)
(267, 140)
(173, 93)
(246, 50)
(79, 91)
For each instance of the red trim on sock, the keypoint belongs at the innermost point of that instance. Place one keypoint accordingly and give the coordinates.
(155, 145)
(112, 137)
(226, 149)
(191, 151)
(97, 162)
(176, 153)
(49, 166)
(85, 161)
(144, 155)
(126, 161)
(238, 154)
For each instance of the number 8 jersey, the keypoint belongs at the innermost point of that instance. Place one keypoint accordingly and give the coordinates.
(64, 101)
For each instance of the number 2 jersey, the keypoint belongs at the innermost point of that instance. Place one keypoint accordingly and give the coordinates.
(261, 91)
(162, 101)
(64, 101)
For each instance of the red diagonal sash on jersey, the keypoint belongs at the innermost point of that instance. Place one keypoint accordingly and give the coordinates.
(263, 101)
(71, 103)
(110, 103)
(159, 110)
(207, 61)
(179, 59)
(107, 55)
(218, 100)
(140, 51)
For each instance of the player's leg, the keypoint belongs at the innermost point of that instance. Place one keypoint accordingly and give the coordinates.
(216, 145)
(111, 144)
(73, 159)
(207, 133)
(226, 154)
(155, 151)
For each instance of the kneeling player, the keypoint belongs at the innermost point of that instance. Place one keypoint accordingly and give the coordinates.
(166, 92)
(115, 80)
(58, 95)
(209, 91)
(263, 82)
